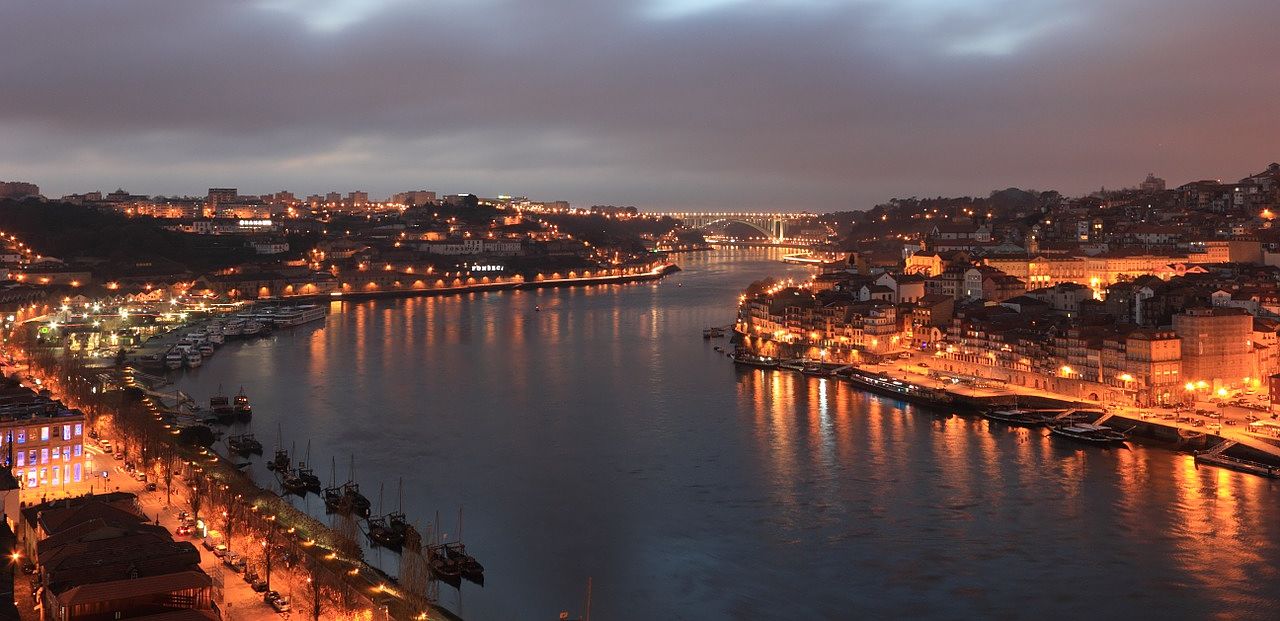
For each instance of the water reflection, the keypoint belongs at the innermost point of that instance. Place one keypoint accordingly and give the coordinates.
(602, 437)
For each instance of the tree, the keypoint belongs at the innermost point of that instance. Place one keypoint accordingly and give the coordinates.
(195, 499)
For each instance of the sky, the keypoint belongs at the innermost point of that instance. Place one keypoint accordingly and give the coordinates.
(664, 104)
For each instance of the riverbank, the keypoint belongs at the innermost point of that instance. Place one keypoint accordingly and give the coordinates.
(1161, 427)
(322, 568)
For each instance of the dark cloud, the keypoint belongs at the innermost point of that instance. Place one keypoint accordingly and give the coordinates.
(819, 104)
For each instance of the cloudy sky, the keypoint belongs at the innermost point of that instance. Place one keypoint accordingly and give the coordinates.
(815, 104)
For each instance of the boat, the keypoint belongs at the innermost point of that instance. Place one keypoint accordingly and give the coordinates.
(1024, 418)
(205, 350)
(280, 461)
(357, 502)
(286, 316)
(233, 328)
(251, 328)
(713, 333)
(470, 568)
(381, 533)
(307, 475)
(795, 364)
(292, 483)
(244, 444)
(751, 360)
(885, 385)
(193, 358)
(334, 500)
(241, 407)
(1235, 463)
(221, 407)
(442, 567)
(815, 370)
(1086, 432)
(174, 359)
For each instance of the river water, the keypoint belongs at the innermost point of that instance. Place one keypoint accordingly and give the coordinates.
(601, 437)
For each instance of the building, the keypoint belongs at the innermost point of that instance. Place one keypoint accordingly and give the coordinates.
(1217, 345)
(414, 198)
(97, 557)
(220, 196)
(18, 190)
(1152, 184)
(357, 198)
(41, 440)
(473, 246)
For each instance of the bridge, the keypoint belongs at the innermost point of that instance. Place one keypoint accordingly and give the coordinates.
(772, 225)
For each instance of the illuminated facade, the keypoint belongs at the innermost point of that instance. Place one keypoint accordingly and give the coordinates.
(47, 450)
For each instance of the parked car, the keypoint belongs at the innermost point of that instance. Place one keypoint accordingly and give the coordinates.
(277, 601)
(258, 585)
(280, 604)
(220, 550)
(208, 544)
(151, 487)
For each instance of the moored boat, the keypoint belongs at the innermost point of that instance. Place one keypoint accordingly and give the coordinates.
(221, 407)
(241, 407)
(244, 444)
(892, 387)
(1014, 416)
(174, 359)
(1086, 432)
(193, 358)
(470, 568)
(752, 360)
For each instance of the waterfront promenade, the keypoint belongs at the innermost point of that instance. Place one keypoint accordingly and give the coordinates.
(1232, 421)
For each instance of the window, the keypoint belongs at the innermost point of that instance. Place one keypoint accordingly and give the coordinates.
(31, 478)
(56, 478)
(66, 453)
(22, 459)
(79, 428)
(44, 456)
(22, 436)
(78, 449)
(66, 432)
(78, 473)
(31, 457)
(44, 434)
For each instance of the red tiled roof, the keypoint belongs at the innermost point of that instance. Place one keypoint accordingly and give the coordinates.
(124, 589)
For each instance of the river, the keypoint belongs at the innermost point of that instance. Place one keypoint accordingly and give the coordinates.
(601, 437)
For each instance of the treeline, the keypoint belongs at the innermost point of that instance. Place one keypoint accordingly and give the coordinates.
(70, 232)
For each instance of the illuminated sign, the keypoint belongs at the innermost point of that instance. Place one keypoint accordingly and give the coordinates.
(254, 223)
(486, 268)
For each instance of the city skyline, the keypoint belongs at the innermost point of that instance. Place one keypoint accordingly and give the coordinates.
(692, 105)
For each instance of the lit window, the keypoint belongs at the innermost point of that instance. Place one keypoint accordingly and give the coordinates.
(78, 429)
(22, 436)
(44, 434)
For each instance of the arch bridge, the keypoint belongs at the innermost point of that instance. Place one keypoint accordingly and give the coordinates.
(772, 225)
